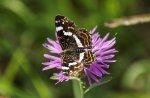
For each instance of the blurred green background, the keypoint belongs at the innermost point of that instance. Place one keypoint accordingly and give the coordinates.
(25, 25)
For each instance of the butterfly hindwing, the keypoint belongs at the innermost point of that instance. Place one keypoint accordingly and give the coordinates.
(71, 64)
(88, 57)
(84, 37)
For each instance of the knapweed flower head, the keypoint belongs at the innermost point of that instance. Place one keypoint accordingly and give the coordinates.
(76, 60)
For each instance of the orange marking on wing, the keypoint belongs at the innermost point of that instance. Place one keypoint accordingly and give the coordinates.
(76, 70)
(71, 28)
(87, 38)
(89, 57)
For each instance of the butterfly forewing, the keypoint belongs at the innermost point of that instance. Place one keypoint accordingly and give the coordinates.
(65, 30)
(61, 22)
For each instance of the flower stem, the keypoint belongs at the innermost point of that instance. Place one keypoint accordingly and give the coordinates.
(77, 88)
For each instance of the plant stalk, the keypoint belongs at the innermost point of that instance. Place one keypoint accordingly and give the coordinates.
(77, 88)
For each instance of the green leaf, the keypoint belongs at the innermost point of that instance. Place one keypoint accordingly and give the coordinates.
(103, 81)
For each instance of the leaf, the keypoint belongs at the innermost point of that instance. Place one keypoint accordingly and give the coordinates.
(54, 78)
(103, 81)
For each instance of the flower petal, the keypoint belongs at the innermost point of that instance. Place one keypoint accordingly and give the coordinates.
(102, 70)
(105, 57)
(55, 44)
(62, 77)
(109, 61)
(95, 70)
(51, 48)
(51, 63)
(48, 56)
(86, 73)
(56, 65)
(100, 43)
(93, 30)
(92, 76)
(110, 51)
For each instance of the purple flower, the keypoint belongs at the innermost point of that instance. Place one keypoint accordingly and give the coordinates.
(102, 49)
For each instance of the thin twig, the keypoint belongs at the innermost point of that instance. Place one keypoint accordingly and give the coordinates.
(127, 21)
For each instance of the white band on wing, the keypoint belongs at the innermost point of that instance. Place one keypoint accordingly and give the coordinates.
(67, 33)
(59, 28)
(65, 68)
(73, 63)
(81, 57)
(78, 41)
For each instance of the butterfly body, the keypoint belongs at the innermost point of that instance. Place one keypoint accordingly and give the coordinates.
(76, 45)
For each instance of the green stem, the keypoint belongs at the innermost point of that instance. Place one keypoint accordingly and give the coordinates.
(77, 88)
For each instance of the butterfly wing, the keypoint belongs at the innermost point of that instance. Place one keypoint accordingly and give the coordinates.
(89, 57)
(71, 64)
(62, 22)
(84, 37)
(65, 29)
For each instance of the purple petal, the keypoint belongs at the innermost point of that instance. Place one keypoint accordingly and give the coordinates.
(96, 71)
(108, 44)
(52, 66)
(107, 52)
(97, 42)
(99, 59)
(55, 44)
(48, 56)
(51, 41)
(109, 61)
(93, 30)
(95, 37)
(105, 66)
(61, 77)
(89, 80)
(50, 63)
(105, 57)
(105, 38)
(102, 70)
(100, 43)
(92, 75)
(51, 48)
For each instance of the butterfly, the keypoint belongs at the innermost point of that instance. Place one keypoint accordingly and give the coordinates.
(76, 44)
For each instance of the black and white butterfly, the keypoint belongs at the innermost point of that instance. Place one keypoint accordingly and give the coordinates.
(76, 44)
